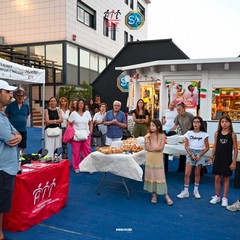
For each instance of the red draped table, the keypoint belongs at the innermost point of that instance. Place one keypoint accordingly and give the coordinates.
(40, 191)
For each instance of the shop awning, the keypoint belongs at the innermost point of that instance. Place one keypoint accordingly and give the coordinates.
(175, 64)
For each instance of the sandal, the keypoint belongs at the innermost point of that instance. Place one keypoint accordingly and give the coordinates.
(154, 198)
(168, 201)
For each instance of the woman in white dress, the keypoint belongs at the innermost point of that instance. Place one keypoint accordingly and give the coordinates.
(98, 120)
(81, 121)
(63, 106)
(53, 118)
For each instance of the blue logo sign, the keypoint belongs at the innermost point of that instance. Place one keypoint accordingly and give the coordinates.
(122, 84)
(134, 20)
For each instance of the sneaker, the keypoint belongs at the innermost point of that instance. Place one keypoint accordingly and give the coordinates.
(224, 202)
(234, 207)
(183, 194)
(196, 194)
(215, 199)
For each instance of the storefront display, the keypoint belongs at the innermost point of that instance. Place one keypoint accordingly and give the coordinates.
(150, 96)
(186, 92)
(226, 101)
(208, 87)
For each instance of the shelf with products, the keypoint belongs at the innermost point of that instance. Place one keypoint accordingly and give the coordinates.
(226, 101)
(229, 110)
(233, 114)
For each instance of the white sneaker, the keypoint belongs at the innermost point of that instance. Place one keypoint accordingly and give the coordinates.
(224, 202)
(183, 194)
(196, 194)
(215, 199)
(234, 207)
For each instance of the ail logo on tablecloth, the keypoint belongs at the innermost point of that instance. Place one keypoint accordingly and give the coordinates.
(43, 192)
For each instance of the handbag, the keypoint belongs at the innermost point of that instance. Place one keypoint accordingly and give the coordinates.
(53, 132)
(80, 135)
(96, 132)
(126, 134)
(68, 135)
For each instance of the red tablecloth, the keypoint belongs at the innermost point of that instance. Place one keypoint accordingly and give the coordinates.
(38, 194)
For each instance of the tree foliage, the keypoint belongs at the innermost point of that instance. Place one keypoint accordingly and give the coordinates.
(84, 91)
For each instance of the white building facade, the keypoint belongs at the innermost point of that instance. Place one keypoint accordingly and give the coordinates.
(73, 40)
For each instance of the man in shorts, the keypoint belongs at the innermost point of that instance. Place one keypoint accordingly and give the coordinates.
(9, 140)
(18, 112)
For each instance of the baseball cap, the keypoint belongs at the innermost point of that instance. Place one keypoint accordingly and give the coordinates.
(4, 85)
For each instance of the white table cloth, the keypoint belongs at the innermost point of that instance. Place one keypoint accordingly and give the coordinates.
(124, 165)
(179, 149)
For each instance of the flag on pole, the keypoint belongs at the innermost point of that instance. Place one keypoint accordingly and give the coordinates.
(217, 93)
(203, 93)
(167, 83)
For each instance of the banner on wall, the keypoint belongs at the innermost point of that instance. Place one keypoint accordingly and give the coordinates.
(10, 71)
(186, 92)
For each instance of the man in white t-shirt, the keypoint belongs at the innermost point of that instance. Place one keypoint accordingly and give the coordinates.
(168, 117)
(168, 122)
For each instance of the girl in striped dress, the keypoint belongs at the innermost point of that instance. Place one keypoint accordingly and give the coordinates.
(155, 181)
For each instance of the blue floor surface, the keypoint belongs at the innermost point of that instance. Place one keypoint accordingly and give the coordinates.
(111, 216)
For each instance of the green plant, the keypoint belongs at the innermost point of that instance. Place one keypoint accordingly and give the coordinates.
(84, 91)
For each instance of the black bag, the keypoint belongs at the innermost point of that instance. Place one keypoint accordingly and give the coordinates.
(96, 132)
(126, 134)
(26, 159)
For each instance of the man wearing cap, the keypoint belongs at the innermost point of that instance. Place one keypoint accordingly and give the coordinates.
(9, 140)
(18, 112)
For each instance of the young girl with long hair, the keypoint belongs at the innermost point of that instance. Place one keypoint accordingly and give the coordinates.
(222, 158)
(196, 145)
(155, 181)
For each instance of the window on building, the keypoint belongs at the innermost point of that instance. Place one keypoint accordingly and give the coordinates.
(84, 58)
(126, 1)
(72, 64)
(105, 27)
(131, 38)
(113, 31)
(93, 67)
(84, 65)
(125, 37)
(131, 4)
(86, 15)
(22, 51)
(140, 8)
(102, 63)
(72, 54)
(54, 61)
(93, 61)
(38, 53)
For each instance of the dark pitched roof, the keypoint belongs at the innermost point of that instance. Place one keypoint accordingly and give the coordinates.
(133, 53)
(145, 51)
